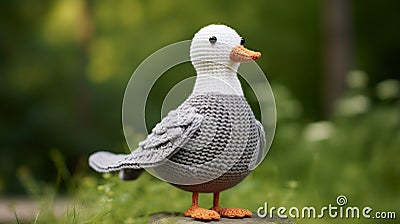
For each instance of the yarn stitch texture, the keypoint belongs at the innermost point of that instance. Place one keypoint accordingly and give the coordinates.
(209, 143)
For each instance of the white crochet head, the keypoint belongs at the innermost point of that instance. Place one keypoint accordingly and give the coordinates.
(216, 52)
(214, 58)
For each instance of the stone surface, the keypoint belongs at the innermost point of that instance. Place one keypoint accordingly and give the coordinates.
(178, 218)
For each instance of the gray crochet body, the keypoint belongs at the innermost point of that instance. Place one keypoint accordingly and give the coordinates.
(208, 144)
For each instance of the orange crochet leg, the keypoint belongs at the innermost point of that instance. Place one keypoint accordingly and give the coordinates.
(200, 213)
(229, 212)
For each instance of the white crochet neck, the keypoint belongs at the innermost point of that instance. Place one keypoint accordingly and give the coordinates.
(218, 83)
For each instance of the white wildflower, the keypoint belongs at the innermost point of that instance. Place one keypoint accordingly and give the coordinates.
(357, 79)
(319, 131)
(388, 89)
(353, 105)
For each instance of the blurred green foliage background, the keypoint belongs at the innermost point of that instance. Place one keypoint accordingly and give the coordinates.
(65, 65)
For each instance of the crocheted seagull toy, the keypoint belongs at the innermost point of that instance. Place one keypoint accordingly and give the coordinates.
(212, 141)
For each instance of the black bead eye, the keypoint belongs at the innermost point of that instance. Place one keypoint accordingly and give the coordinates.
(242, 41)
(212, 39)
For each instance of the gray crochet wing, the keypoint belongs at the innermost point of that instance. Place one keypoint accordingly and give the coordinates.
(259, 154)
(166, 138)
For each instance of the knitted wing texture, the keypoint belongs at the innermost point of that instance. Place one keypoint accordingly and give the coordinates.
(259, 154)
(166, 137)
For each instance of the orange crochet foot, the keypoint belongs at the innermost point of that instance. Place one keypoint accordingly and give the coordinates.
(232, 212)
(229, 212)
(202, 214)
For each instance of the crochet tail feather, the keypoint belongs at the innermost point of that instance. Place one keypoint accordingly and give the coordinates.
(106, 162)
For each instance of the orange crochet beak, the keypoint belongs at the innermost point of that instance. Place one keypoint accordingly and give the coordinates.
(241, 54)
